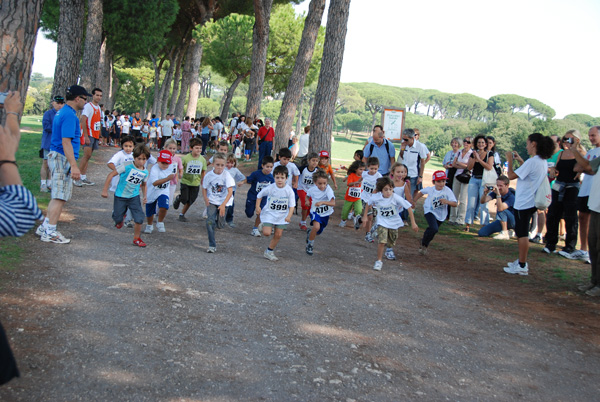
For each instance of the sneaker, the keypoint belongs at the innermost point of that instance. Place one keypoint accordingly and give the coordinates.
(139, 242)
(309, 249)
(357, 222)
(512, 269)
(571, 255)
(514, 263)
(211, 250)
(378, 265)
(182, 218)
(260, 227)
(374, 231)
(119, 225)
(303, 226)
(351, 215)
(586, 287)
(594, 292)
(86, 182)
(55, 237)
(77, 183)
(231, 225)
(511, 233)
(307, 234)
(149, 229)
(369, 238)
(423, 250)
(389, 254)
(342, 224)
(160, 226)
(587, 260)
(40, 231)
(502, 236)
(536, 239)
(255, 233)
(129, 223)
(205, 213)
(270, 255)
(176, 202)
(562, 237)
(43, 188)
(547, 250)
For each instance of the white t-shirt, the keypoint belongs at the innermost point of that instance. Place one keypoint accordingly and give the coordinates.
(279, 202)
(167, 127)
(414, 157)
(594, 200)
(236, 174)
(531, 174)
(118, 159)
(156, 173)
(368, 185)
(586, 184)
(216, 186)
(400, 191)
(303, 145)
(292, 171)
(125, 126)
(388, 210)
(217, 127)
(317, 195)
(305, 182)
(433, 202)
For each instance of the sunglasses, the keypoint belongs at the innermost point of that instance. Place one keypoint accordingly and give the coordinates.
(466, 142)
(405, 139)
(83, 97)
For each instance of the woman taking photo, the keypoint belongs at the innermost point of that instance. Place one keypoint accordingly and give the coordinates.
(457, 215)
(449, 159)
(530, 175)
(481, 159)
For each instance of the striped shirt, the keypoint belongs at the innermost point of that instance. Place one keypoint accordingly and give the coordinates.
(18, 211)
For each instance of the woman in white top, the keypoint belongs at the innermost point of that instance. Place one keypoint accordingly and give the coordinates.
(460, 190)
(530, 175)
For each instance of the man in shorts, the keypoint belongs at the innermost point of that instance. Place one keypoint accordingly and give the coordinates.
(57, 103)
(62, 160)
(91, 122)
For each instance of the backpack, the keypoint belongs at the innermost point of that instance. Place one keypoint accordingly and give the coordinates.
(387, 147)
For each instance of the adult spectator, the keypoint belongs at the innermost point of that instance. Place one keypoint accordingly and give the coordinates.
(205, 132)
(215, 133)
(382, 149)
(62, 160)
(167, 130)
(504, 200)
(264, 141)
(414, 154)
(481, 160)
(57, 103)
(460, 190)
(303, 142)
(136, 125)
(91, 121)
(449, 159)
(592, 165)
(233, 127)
(186, 134)
(417, 139)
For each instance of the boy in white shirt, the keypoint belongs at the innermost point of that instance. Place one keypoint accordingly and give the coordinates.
(305, 183)
(369, 184)
(293, 173)
(278, 210)
(435, 206)
(160, 178)
(389, 206)
(322, 201)
(217, 190)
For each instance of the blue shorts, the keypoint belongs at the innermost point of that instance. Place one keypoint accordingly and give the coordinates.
(251, 206)
(322, 220)
(247, 151)
(161, 202)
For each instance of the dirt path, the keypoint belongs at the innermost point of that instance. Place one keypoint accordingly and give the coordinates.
(101, 320)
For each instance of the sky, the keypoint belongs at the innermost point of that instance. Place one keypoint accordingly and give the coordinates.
(545, 50)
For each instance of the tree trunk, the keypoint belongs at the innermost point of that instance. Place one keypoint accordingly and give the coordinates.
(321, 122)
(176, 82)
(92, 45)
(229, 96)
(298, 77)
(186, 78)
(165, 88)
(104, 75)
(70, 32)
(299, 121)
(19, 23)
(194, 85)
(146, 93)
(114, 85)
(260, 44)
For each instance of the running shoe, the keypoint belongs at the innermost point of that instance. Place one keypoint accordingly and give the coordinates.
(378, 265)
(55, 237)
(139, 242)
(270, 255)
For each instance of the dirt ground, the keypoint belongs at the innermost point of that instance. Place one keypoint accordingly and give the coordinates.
(102, 320)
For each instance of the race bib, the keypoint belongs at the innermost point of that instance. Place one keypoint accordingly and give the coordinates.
(388, 212)
(97, 126)
(354, 192)
(437, 203)
(162, 186)
(174, 168)
(368, 187)
(135, 177)
(260, 186)
(278, 204)
(192, 168)
(322, 210)
(307, 181)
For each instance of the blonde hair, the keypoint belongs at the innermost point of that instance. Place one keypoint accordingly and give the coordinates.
(170, 141)
(232, 158)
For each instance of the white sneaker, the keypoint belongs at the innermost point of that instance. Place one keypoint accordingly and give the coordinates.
(211, 250)
(270, 255)
(40, 231)
(350, 215)
(77, 183)
(255, 233)
(343, 223)
(389, 254)
(260, 227)
(502, 236)
(571, 256)
(512, 234)
(205, 213)
(160, 226)
(55, 237)
(378, 265)
(86, 182)
(512, 269)
(578, 255)
(149, 229)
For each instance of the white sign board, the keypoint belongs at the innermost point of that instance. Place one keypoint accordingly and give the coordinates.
(393, 123)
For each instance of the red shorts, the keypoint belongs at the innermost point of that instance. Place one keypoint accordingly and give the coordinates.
(303, 201)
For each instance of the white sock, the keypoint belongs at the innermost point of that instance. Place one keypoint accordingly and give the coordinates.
(50, 229)
(43, 182)
(83, 177)
(303, 222)
(45, 223)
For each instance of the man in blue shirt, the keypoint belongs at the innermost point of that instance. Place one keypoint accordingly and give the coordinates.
(504, 199)
(62, 161)
(57, 103)
(382, 149)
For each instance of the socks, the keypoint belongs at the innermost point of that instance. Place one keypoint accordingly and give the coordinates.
(522, 264)
(303, 223)
(83, 177)
(270, 250)
(50, 229)
(311, 242)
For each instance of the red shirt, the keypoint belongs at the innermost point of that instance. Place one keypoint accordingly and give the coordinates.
(266, 134)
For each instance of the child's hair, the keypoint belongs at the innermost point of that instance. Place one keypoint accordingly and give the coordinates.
(372, 161)
(141, 149)
(280, 170)
(268, 159)
(544, 146)
(127, 138)
(285, 153)
(355, 166)
(382, 182)
(139, 140)
(220, 155)
(306, 129)
(223, 144)
(360, 153)
(320, 174)
(232, 158)
(195, 142)
(396, 165)
(312, 155)
(170, 141)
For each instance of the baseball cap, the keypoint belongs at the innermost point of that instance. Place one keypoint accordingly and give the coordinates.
(439, 175)
(323, 154)
(164, 156)
(59, 99)
(77, 90)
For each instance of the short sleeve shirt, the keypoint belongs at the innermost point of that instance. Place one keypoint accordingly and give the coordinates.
(317, 195)
(66, 125)
(258, 180)
(368, 185)
(94, 119)
(130, 180)
(156, 173)
(433, 202)
(354, 192)
(192, 170)
(292, 171)
(413, 157)
(305, 182)
(531, 174)
(279, 202)
(216, 186)
(594, 200)
(382, 153)
(388, 210)
(586, 184)
(117, 159)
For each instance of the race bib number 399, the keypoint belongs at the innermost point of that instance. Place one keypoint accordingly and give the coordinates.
(278, 204)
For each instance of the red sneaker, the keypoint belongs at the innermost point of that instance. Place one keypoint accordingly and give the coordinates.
(139, 242)
(119, 225)
(303, 227)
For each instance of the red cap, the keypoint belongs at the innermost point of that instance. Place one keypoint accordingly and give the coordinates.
(439, 175)
(323, 154)
(165, 157)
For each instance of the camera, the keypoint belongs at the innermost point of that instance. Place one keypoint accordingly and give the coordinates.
(570, 140)
(3, 96)
(490, 188)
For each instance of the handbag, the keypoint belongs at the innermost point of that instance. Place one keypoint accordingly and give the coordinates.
(543, 195)
(489, 177)
(464, 177)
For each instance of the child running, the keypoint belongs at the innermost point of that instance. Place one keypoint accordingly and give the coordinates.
(278, 210)
(193, 168)
(306, 183)
(326, 166)
(352, 198)
(132, 180)
(158, 192)
(239, 178)
(258, 180)
(217, 189)
(176, 166)
(438, 196)
(322, 201)
(285, 155)
(389, 205)
(369, 184)
(399, 173)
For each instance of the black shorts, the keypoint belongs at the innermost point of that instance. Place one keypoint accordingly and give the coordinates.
(582, 204)
(522, 219)
(189, 194)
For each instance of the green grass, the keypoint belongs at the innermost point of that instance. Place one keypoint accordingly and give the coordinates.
(32, 123)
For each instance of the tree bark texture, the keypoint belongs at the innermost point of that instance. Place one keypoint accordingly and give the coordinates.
(299, 120)
(298, 77)
(92, 45)
(186, 78)
(157, 87)
(260, 44)
(194, 84)
(70, 32)
(176, 82)
(229, 96)
(166, 84)
(19, 23)
(321, 122)
(104, 75)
